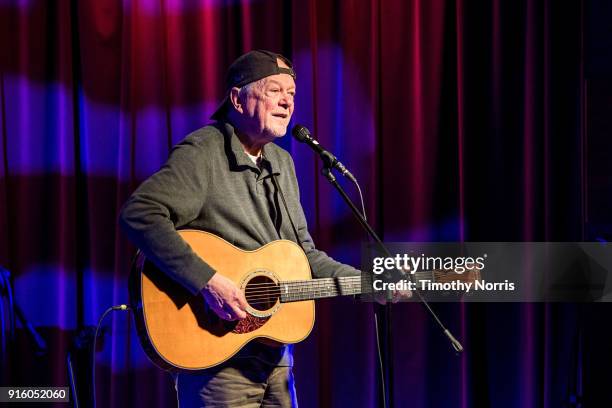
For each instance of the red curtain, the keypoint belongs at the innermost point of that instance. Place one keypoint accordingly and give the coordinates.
(461, 121)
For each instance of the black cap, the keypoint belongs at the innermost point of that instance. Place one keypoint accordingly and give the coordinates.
(251, 67)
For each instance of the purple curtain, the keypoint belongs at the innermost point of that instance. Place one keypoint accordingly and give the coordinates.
(462, 121)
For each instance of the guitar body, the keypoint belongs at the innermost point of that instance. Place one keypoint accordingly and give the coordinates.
(179, 332)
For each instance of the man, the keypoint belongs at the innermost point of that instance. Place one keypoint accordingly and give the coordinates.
(228, 179)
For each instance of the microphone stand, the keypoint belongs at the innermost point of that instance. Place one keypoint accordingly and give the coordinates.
(326, 171)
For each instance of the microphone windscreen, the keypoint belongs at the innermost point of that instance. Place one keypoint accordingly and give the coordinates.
(301, 133)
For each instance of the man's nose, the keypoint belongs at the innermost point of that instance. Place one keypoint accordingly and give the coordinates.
(286, 101)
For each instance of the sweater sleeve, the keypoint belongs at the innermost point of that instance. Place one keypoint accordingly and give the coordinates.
(169, 199)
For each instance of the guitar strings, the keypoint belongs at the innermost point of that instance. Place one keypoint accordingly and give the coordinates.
(309, 282)
(270, 292)
(274, 300)
(303, 287)
(312, 286)
(321, 281)
(293, 286)
(308, 293)
(258, 294)
(267, 294)
(252, 295)
(328, 281)
(273, 290)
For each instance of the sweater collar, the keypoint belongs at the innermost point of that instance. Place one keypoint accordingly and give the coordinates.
(269, 157)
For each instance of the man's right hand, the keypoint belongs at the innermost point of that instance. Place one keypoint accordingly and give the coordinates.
(224, 297)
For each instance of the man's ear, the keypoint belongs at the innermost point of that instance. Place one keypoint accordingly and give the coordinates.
(235, 100)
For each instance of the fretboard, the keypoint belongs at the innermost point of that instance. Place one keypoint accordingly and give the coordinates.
(294, 291)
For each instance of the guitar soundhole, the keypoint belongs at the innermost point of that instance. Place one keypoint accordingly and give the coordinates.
(262, 293)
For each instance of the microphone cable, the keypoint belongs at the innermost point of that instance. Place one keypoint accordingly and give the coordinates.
(122, 307)
(363, 211)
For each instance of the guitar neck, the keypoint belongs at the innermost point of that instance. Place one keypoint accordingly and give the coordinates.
(295, 291)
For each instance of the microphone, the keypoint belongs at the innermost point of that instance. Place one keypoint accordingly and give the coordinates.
(302, 134)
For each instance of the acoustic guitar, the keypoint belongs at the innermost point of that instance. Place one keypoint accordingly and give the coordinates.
(179, 332)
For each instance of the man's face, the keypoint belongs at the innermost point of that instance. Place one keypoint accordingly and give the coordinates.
(268, 106)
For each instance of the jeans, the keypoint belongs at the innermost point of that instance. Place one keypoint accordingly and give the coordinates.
(241, 382)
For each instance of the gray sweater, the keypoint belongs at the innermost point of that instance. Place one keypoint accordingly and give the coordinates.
(209, 183)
